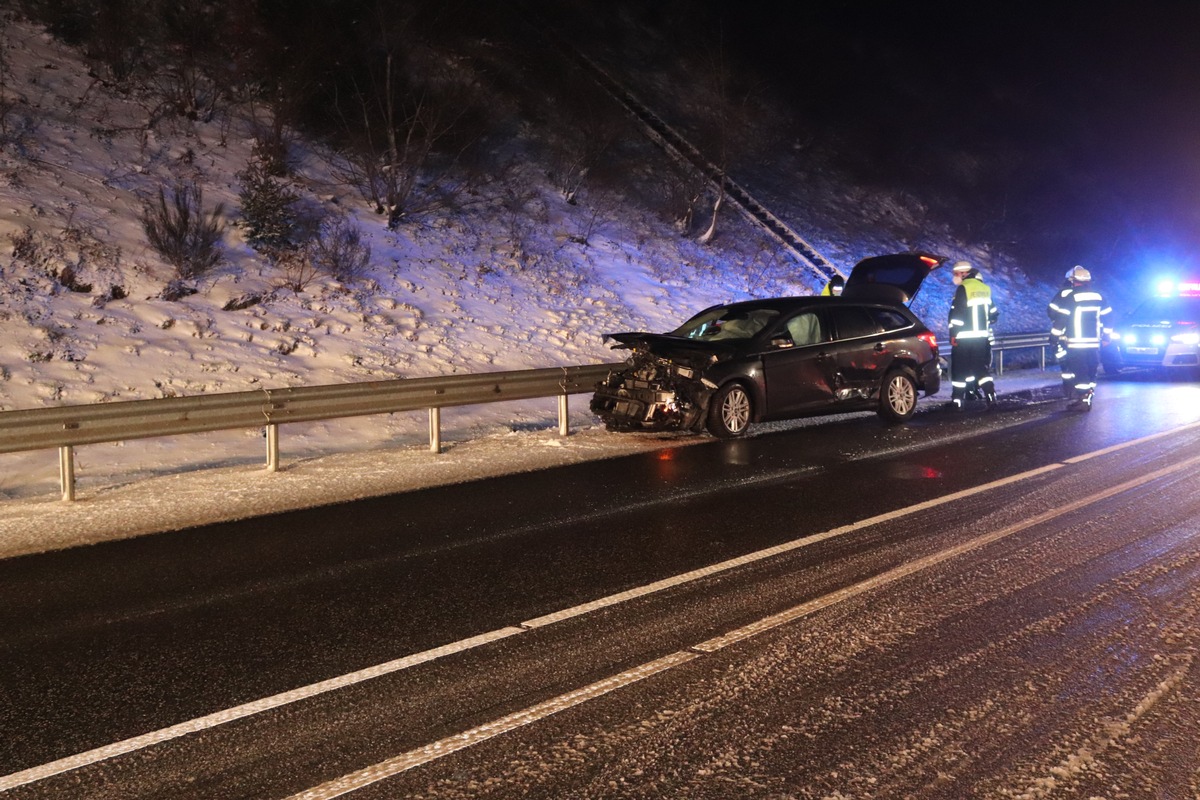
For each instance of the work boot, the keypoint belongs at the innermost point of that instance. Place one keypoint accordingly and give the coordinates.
(990, 396)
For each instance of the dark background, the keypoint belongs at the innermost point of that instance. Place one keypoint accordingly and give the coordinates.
(1075, 127)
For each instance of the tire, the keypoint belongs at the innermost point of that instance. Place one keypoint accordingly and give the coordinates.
(898, 396)
(729, 412)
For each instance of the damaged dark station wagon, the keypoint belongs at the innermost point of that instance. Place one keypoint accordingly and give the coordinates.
(760, 360)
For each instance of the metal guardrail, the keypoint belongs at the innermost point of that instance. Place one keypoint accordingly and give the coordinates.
(65, 427)
(1020, 341)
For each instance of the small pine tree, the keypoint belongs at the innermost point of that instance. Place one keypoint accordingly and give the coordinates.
(269, 215)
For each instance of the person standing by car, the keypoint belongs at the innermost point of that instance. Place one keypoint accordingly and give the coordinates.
(972, 315)
(834, 286)
(1077, 313)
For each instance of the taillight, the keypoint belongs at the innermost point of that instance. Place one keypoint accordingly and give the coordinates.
(930, 339)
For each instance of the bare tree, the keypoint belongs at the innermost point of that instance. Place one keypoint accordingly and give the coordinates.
(407, 127)
(725, 133)
(591, 123)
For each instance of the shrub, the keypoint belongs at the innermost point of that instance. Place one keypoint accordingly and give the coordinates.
(296, 267)
(181, 233)
(338, 249)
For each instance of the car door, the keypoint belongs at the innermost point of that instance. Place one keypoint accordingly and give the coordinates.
(860, 352)
(798, 366)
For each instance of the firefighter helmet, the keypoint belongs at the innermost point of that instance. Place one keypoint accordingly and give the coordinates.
(962, 267)
(1078, 274)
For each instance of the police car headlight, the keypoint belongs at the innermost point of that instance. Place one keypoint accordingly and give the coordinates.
(1192, 338)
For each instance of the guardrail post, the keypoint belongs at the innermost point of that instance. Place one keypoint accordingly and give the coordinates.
(272, 447)
(563, 425)
(435, 430)
(66, 472)
(1000, 363)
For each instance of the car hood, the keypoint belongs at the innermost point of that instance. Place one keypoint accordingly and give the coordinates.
(892, 278)
(677, 348)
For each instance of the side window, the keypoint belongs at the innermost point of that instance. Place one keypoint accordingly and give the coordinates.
(805, 329)
(853, 322)
(890, 320)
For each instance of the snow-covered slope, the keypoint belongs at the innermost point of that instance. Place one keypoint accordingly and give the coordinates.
(498, 285)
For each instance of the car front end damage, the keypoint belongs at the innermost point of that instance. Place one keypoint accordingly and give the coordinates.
(653, 392)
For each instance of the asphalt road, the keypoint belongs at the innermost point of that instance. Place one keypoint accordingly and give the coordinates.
(958, 607)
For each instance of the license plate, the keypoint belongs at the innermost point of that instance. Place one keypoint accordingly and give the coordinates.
(1142, 351)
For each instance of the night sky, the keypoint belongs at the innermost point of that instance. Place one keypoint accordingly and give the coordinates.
(1079, 123)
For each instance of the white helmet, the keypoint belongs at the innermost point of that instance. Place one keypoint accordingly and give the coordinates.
(962, 267)
(1078, 274)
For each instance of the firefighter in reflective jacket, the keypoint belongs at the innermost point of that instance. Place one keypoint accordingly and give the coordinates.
(1077, 313)
(972, 315)
(834, 286)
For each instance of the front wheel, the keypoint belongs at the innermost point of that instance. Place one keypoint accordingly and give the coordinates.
(729, 412)
(898, 396)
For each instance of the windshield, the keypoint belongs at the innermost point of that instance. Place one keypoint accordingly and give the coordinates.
(726, 324)
(1166, 310)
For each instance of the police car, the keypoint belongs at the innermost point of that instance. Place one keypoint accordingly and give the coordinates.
(1162, 333)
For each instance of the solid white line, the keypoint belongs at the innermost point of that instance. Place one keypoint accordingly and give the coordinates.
(786, 547)
(256, 707)
(1123, 445)
(460, 741)
(904, 570)
(266, 704)
(451, 744)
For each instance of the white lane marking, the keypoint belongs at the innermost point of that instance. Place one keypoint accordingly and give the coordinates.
(460, 741)
(266, 704)
(1110, 735)
(1123, 445)
(255, 707)
(749, 558)
(431, 752)
(904, 570)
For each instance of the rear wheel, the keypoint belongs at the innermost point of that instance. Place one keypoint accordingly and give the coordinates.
(898, 396)
(729, 412)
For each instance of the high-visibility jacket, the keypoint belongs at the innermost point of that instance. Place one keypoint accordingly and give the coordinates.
(972, 313)
(1076, 316)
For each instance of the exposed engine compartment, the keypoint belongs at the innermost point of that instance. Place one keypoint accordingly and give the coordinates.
(652, 393)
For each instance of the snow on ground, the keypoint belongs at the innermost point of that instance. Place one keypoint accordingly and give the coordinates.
(496, 286)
